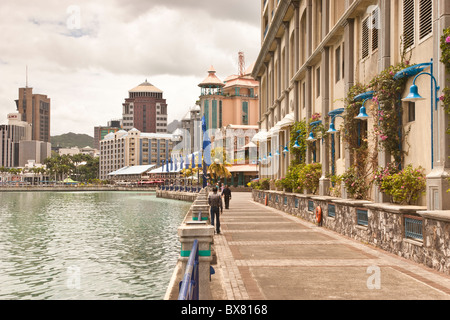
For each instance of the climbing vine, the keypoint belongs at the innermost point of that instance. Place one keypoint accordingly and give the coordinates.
(299, 133)
(445, 49)
(388, 113)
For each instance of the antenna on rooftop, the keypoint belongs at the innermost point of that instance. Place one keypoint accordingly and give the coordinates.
(241, 63)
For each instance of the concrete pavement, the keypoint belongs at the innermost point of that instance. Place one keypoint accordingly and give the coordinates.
(266, 254)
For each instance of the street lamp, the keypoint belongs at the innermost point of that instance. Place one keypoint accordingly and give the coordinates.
(414, 96)
(334, 114)
(313, 126)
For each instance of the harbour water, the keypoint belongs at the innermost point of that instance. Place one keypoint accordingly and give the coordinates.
(87, 245)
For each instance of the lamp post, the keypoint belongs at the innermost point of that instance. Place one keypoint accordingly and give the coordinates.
(414, 95)
(334, 114)
(311, 137)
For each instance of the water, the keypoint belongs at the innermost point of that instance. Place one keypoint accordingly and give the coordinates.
(87, 245)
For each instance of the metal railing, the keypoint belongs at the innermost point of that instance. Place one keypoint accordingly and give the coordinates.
(413, 228)
(189, 286)
(362, 217)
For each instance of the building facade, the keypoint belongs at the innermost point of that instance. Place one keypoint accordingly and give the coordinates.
(134, 148)
(145, 109)
(313, 54)
(233, 101)
(10, 137)
(35, 109)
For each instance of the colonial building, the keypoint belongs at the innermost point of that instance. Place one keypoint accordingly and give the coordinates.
(314, 53)
(233, 101)
(145, 109)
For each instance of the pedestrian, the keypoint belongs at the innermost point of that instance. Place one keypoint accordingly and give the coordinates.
(226, 193)
(215, 202)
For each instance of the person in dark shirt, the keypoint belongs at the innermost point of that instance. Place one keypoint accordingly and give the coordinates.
(226, 193)
(215, 202)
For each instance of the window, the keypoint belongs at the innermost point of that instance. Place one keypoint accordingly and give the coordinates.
(375, 27)
(318, 82)
(408, 23)
(365, 38)
(411, 111)
(245, 113)
(425, 18)
(214, 115)
(337, 61)
(206, 113)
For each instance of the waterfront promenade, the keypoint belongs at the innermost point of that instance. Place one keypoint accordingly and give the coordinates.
(265, 254)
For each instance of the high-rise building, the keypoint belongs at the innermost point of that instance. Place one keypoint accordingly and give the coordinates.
(145, 109)
(35, 109)
(10, 137)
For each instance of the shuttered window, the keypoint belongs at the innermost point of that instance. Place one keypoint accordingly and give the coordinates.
(425, 18)
(365, 38)
(214, 115)
(245, 113)
(206, 113)
(408, 23)
(375, 28)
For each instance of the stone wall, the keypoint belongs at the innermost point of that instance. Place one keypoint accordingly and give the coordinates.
(383, 226)
(177, 195)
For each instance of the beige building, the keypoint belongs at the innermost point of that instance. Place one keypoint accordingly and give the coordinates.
(232, 101)
(314, 51)
(134, 148)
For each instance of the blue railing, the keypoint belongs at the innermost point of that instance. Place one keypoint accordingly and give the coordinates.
(189, 286)
(413, 228)
(362, 217)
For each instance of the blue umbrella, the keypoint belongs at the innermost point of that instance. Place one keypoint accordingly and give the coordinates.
(171, 164)
(193, 161)
(167, 165)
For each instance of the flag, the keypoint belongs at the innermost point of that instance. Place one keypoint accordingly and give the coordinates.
(187, 162)
(206, 143)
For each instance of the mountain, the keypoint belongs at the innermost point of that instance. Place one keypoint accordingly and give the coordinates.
(69, 140)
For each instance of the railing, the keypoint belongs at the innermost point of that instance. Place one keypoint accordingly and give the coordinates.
(413, 228)
(189, 286)
(362, 217)
(181, 189)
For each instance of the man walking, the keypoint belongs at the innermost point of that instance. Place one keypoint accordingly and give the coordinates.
(215, 202)
(226, 193)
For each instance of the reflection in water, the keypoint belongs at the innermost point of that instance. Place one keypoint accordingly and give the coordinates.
(87, 245)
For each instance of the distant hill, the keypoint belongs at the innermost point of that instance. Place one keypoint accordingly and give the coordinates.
(69, 140)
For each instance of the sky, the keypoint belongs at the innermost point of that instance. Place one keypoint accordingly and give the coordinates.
(86, 55)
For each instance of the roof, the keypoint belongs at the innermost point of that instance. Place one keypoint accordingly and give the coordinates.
(146, 87)
(242, 82)
(211, 79)
(243, 168)
(133, 170)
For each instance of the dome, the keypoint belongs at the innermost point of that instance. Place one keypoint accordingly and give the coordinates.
(211, 79)
(146, 87)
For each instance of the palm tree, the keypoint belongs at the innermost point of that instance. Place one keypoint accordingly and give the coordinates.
(219, 170)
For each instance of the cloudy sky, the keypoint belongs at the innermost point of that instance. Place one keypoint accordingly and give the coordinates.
(86, 55)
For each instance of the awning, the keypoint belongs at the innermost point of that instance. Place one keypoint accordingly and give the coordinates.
(260, 136)
(287, 121)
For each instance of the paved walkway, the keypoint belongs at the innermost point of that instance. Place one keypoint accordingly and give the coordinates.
(266, 254)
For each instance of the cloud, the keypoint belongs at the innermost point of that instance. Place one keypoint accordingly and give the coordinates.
(116, 46)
